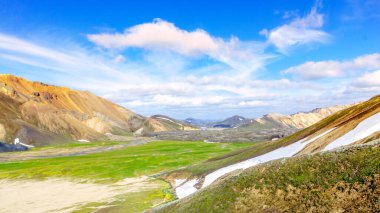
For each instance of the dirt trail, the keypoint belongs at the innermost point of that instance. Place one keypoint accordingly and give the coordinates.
(73, 151)
(58, 195)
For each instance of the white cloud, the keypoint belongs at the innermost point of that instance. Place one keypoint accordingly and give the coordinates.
(254, 103)
(188, 101)
(162, 35)
(367, 84)
(300, 31)
(159, 35)
(326, 69)
(199, 101)
(368, 80)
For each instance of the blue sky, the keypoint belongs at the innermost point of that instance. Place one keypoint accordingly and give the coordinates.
(199, 58)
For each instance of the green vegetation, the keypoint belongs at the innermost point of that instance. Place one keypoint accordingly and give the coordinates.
(111, 166)
(74, 144)
(212, 164)
(343, 181)
(220, 161)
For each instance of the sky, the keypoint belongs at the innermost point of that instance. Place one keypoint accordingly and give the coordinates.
(201, 59)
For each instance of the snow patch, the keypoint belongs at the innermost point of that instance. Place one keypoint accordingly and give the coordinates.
(83, 140)
(362, 130)
(17, 141)
(186, 188)
(282, 152)
(179, 182)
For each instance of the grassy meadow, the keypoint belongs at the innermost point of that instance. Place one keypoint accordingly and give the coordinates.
(111, 166)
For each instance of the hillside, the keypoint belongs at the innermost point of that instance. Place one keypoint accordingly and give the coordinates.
(357, 124)
(40, 114)
(162, 123)
(341, 181)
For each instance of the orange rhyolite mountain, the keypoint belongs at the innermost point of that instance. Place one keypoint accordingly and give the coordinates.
(40, 114)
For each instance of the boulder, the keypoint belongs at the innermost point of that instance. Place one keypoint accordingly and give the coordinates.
(4, 147)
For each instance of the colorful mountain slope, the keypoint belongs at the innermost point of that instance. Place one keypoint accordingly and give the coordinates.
(40, 114)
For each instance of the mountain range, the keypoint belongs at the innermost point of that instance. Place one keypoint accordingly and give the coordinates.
(298, 120)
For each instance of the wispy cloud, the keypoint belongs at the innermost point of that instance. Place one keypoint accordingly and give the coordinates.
(330, 69)
(64, 60)
(13, 44)
(299, 31)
